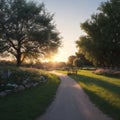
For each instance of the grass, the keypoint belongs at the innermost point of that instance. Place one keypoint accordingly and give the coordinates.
(62, 71)
(103, 91)
(31, 103)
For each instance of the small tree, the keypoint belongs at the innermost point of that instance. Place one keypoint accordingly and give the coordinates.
(81, 61)
(26, 30)
(78, 62)
(70, 60)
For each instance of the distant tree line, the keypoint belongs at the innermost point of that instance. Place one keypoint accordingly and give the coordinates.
(101, 43)
(27, 30)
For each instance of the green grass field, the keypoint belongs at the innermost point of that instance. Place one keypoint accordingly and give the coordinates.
(102, 90)
(31, 103)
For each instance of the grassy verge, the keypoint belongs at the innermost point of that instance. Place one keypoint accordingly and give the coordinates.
(31, 103)
(62, 71)
(103, 91)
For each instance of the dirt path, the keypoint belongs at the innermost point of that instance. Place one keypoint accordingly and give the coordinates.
(71, 103)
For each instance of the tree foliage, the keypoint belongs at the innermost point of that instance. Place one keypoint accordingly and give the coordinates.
(78, 63)
(81, 61)
(27, 30)
(70, 60)
(101, 44)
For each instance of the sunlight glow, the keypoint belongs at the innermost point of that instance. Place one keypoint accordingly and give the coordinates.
(59, 58)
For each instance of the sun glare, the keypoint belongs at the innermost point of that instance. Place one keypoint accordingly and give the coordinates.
(59, 58)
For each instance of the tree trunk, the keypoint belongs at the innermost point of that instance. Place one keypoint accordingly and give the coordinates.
(18, 57)
(18, 60)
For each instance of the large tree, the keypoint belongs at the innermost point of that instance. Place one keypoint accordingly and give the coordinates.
(101, 44)
(26, 30)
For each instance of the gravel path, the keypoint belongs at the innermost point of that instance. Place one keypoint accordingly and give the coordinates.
(71, 103)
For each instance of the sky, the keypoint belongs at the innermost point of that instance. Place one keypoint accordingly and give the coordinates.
(69, 14)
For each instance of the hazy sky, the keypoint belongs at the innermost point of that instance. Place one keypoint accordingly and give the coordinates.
(68, 16)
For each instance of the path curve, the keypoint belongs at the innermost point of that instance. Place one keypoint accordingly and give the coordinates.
(71, 103)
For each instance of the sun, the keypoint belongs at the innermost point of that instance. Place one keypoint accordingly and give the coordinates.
(59, 58)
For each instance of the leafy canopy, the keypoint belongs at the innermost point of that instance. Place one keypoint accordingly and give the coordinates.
(101, 44)
(27, 30)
